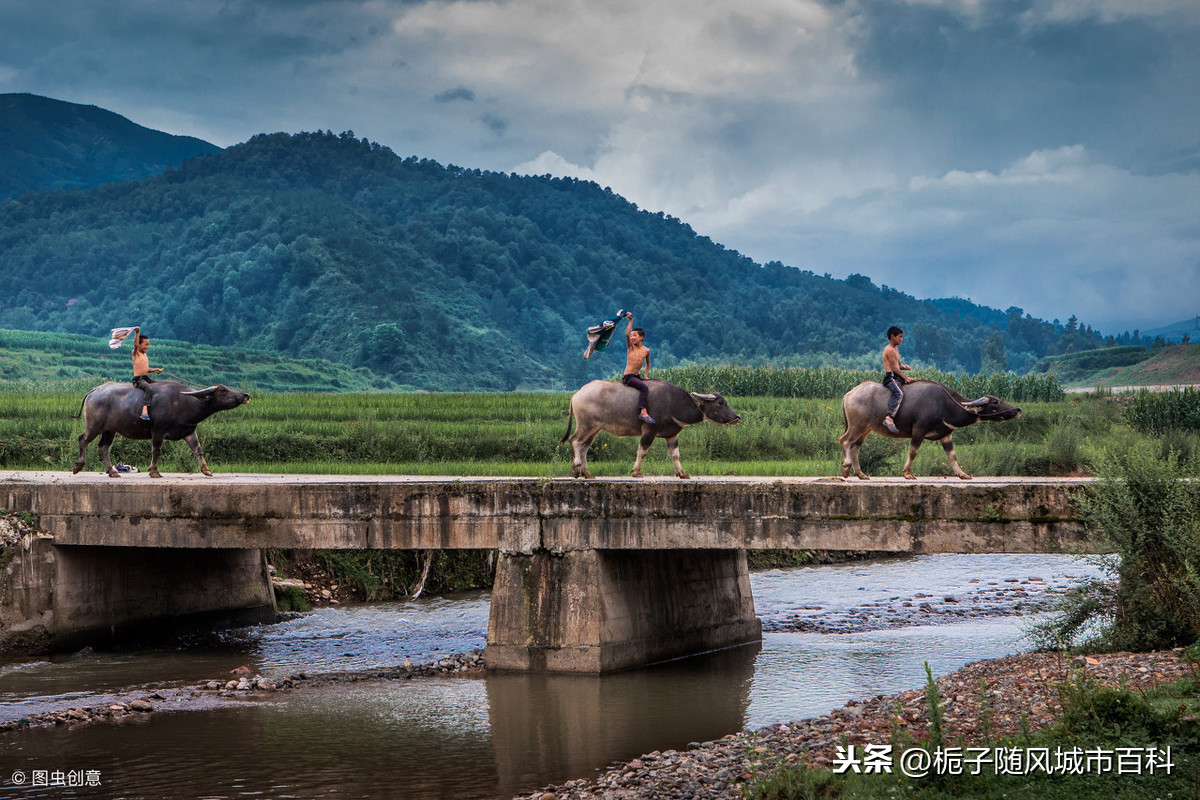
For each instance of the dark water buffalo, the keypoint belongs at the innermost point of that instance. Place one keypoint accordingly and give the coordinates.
(929, 411)
(115, 408)
(613, 407)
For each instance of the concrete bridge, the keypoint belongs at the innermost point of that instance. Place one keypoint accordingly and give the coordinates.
(592, 576)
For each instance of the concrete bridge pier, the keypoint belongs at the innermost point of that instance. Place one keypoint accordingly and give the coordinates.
(63, 597)
(599, 610)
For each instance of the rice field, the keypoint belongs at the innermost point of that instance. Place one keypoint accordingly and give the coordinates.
(517, 434)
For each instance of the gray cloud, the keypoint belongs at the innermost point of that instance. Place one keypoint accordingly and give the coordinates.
(450, 95)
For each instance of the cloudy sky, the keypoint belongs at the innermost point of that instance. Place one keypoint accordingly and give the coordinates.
(1037, 153)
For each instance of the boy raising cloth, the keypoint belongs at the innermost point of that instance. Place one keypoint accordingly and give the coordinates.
(892, 378)
(637, 360)
(142, 369)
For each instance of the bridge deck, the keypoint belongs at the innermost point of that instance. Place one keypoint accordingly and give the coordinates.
(524, 515)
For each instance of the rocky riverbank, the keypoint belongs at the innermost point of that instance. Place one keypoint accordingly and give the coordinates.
(1009, 693)
(240, 685)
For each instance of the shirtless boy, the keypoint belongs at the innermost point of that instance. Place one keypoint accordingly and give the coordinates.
(892, 378)
(142, 369)
(638, 359)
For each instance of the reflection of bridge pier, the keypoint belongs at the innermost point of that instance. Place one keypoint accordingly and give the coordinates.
(592, 576)
(546, 728)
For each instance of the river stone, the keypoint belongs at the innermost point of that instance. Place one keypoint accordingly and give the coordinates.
(141, 705)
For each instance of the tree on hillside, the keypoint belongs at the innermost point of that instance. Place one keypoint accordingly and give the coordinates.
(993, 358)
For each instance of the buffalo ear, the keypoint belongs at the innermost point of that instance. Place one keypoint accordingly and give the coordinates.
(202, 393)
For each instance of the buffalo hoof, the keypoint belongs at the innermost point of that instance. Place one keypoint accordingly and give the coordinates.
(908, 476)
(75, 469)
(154, 473)
(862, 476)
(846, 470)
(112, 473)
(684, 476)
(637, 473)
(965, 476)
(207, 471)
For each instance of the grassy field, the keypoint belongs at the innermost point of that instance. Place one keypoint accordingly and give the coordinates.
(40, 362)
(1128, 366)
(517, 434)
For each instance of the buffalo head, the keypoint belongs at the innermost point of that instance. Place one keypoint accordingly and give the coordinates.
(992, 408)
(713, 407)
(221, 397)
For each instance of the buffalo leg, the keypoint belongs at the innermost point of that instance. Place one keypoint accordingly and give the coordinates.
(155, 449)
(850, 447)
(85, 439)
(673, 451)
(579, 445)
(913, 447)
(643, 445)
(106, 440)
(194, 443)
(948, 446)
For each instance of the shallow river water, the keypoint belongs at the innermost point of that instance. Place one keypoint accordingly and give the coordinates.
(831, 634)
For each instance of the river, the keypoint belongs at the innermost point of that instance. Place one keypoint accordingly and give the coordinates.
(831, 634)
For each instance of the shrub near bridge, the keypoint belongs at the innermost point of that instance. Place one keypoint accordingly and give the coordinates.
(1147, 513)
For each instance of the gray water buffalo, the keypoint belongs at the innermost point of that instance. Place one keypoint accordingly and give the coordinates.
(613, 407)
(929, 411)
(115, 408)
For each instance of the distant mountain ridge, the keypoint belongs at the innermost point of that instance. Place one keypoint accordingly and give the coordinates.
(1177, 330)
(317, 245)
(51, 144)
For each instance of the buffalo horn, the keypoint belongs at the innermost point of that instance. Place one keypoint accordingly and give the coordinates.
(983, 401)
(708, 398)
(201, 392)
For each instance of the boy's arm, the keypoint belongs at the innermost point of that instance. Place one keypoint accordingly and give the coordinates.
(628, 328)
(646, 365)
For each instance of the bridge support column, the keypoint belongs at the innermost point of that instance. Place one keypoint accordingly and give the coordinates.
(595, 611)
(60, 597)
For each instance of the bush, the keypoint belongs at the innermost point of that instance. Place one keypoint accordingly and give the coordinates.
(1145, 516)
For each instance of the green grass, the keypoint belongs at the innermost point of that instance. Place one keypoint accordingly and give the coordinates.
(61, 362)
(517, 434)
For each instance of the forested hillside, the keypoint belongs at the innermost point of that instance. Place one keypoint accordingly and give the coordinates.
(327, 246)
(49, 144)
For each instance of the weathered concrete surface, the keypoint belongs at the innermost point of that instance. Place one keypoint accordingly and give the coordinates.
(62, 597)
(1026, 515)
(617, 608)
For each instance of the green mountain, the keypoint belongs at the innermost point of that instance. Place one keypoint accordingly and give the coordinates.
(50, 144)
(318, 245)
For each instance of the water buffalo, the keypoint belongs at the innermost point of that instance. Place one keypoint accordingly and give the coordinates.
(113, 408)
(929, 411)
(613, 407)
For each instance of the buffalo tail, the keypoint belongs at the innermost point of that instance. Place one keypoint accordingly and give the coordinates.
(570, 422)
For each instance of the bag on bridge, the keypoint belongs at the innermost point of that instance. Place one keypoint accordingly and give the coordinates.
(598, 335)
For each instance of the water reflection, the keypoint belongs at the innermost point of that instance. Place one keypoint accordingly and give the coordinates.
(567, 725)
